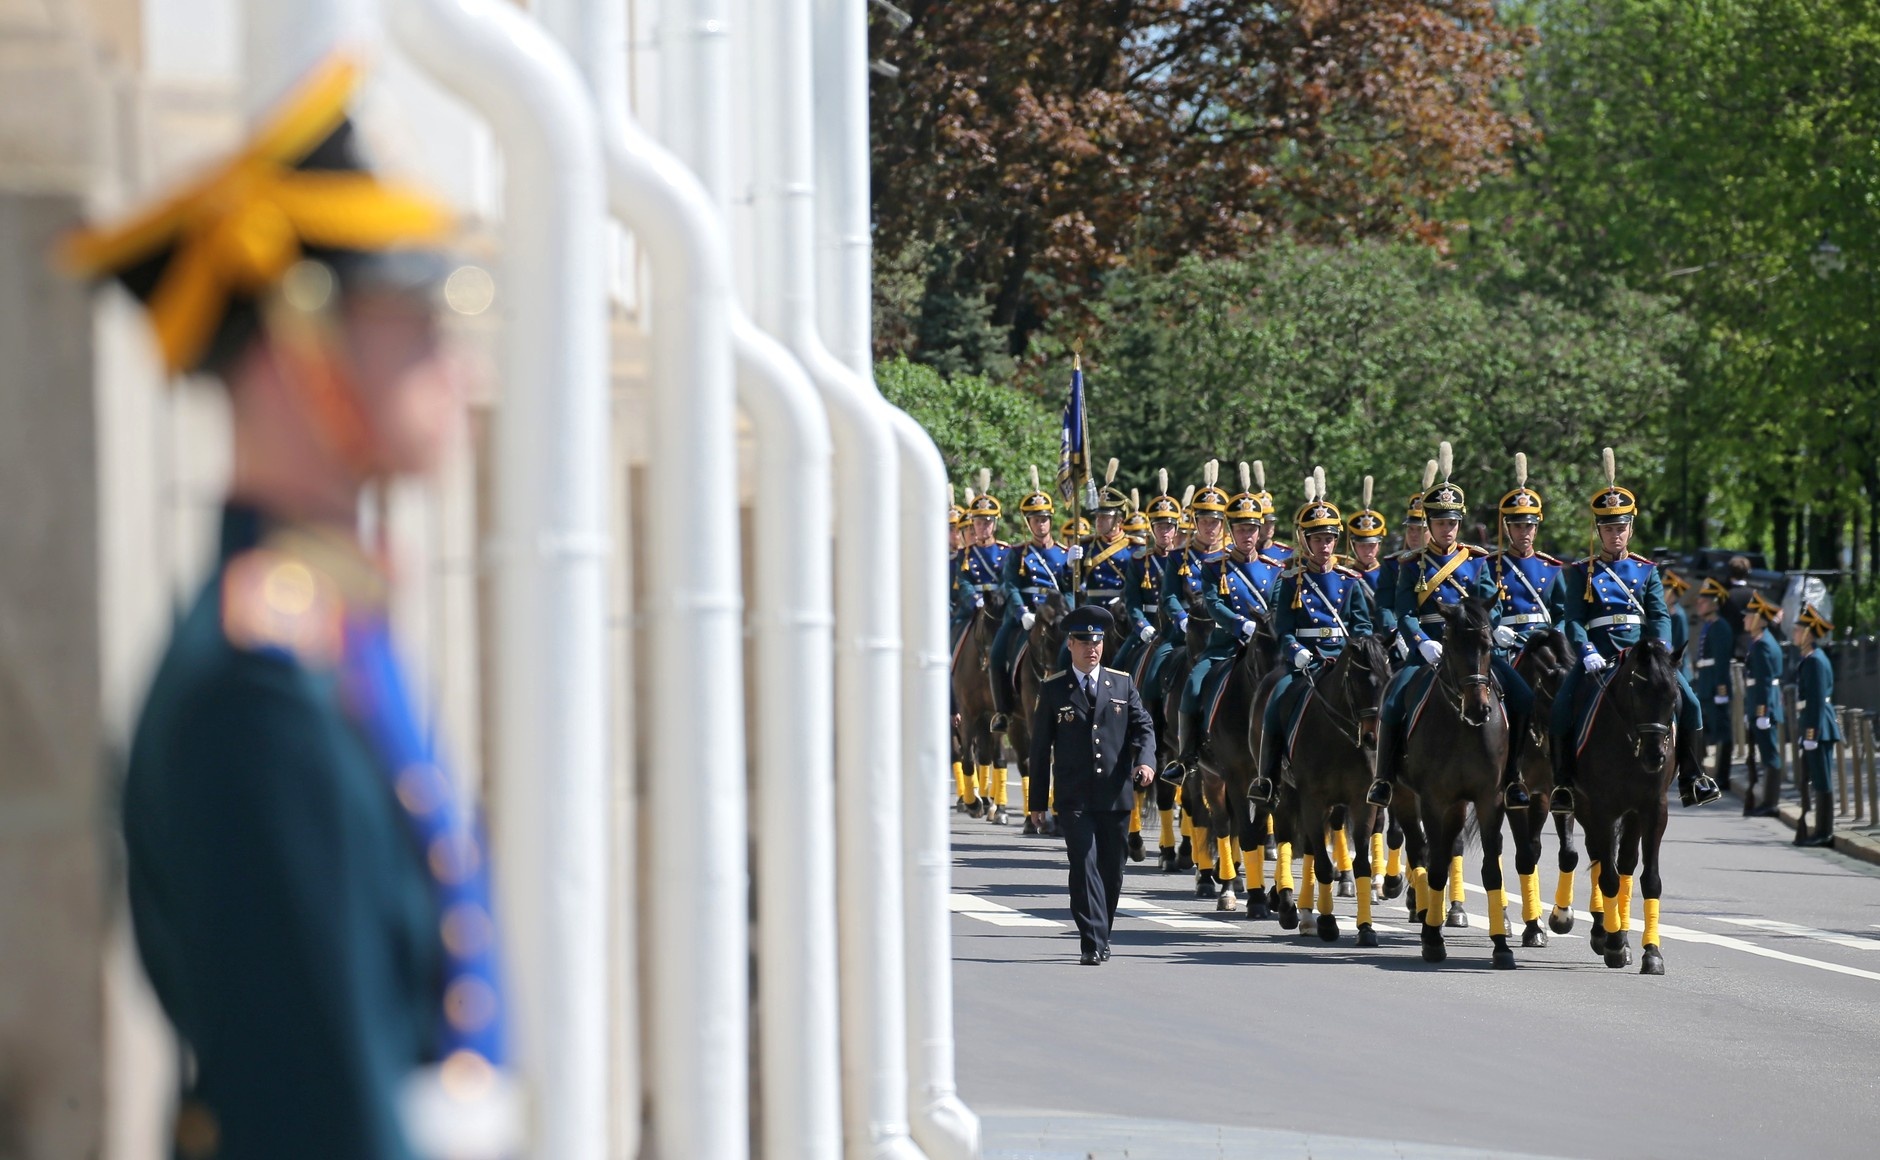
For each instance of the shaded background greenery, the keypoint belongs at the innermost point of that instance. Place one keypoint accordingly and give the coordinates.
(1644, 223)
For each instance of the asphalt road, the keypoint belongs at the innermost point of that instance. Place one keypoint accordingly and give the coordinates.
(1761, 1040)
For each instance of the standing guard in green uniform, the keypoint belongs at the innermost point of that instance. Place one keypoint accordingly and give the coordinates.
(1675, 588)
(1762, 706)
(1816, 729)
(309, 893)
(1716, 644)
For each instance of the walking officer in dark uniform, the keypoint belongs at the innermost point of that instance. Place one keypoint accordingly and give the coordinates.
(1092, 736)
(309, 892)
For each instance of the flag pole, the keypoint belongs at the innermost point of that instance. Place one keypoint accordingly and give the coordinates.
(1080, 487)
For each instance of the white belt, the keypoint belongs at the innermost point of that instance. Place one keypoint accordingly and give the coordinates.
(1617, 618)
(1750, 682)
(1104, 592)
(1706, 662)
(1319, 633)
(1526, 618)
(1431, 618)
(1800, 705)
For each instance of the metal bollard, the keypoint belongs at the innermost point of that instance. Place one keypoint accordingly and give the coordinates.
(1854, 718)
(1841, 763)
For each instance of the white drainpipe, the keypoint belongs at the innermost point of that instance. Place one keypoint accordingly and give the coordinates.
(792, 623)
(942, 1124)
(551, 550)
(282, 40)
(696, 1065)
(868, 623)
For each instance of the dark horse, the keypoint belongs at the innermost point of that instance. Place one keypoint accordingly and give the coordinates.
(1625, 768)
(1323, 784)
(1543, 662)
(1038, 661)
(1218, 785)
(1453, 752)
(975, 746)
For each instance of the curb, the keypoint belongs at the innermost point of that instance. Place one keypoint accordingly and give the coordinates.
(1858, 846)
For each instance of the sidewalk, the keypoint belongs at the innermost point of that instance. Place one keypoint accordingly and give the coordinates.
(1860, 842)
(1030, 1135)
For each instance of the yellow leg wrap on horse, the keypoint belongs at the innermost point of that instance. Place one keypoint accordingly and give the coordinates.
(1325, 898)
(1625, 902)
(1563, 892)
(1610, 916)
(1377, 851)
(1050, 798)
(1256, 871)
(1188, 827)
(1269, 823)
(1240, 857)
(1595, 901)
(1135, 817)
(1420, 882)
(1498, 912)
(1364, 901)
(1168, 826)
(1341, 850)
(1530, 897)
(1024, 789)
(959, 780)
(1433, 904)
(1224, 858)
(1282, 867)
(1204, 853)
(1458, 892)
(1305, 880)
(1651, 923)
(1393, 864)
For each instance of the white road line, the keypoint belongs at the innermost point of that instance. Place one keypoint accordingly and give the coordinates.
(1851, 941)
(1172, 919)
(986, 910)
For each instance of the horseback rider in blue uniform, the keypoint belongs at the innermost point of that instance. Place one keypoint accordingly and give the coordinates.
(1615, 600)
(1032, 573)
(979, 570)
(1816, 729)
(1365, 530)
(1108, 556)
(1275, 550)
(1238, 591)
(1675, 588)
(1194, 576)
(1445, 572)
(1716, 645)
(1149, 583)
(1416, 536)
(1318, 605)
(1527, 582)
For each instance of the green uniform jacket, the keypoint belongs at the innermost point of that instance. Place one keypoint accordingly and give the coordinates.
(1814, 699)
(1762, 683)
(280, 904)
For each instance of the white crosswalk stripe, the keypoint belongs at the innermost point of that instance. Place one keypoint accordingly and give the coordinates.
(986, 910)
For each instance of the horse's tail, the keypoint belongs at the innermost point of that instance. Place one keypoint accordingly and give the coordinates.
(1471, 832)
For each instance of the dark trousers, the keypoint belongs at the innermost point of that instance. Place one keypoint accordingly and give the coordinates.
(1095, 840)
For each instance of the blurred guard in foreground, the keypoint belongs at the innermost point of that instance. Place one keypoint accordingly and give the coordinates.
(310, 895)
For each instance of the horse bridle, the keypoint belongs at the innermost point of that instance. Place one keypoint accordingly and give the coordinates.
(1454, 693)
(1350, 725)
(1638, 731)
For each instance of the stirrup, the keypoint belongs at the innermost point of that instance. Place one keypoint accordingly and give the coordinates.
(1514, 796)
(1700, 791)
(1000, 721)
(1562, 803)
(1379, 793)
(1173, 772)
(1261, 789)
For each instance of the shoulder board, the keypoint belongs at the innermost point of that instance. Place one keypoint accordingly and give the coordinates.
(274, 602)
(1546, 559)
(1291, 568)
(1057, 676)
(1477, 550)
(1407, 555)
(1000, 544)
(1640, 559)
(1118, 672)
(1342, 570)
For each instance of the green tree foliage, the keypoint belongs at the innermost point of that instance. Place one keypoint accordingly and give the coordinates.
(1362, 358)
(977, 424)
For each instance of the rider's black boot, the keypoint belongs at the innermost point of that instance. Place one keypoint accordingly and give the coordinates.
(1191, 741)
(1265, 787)
(1388, 743)
(1695, 787)
(1001, 681)
(1562, 797)
(1514, 794)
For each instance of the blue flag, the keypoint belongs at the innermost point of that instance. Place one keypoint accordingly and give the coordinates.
(1073, 444)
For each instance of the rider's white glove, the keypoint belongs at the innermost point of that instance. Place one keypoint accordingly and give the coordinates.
(979, 601)
(1147, 634)
(1763, 723)
(1075, 551)
(1594, 663)
(1182, 625)
(1811, 745)
(1432, 651)
(1302, 659)
(1026, 621)
(1504, 636)
(1720, 699)
(1247, 629)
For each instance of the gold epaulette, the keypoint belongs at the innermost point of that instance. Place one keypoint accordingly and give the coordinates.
(1049, 677)
(1348, 571)
(1546, 559)
(272, 600)
(1477, 550)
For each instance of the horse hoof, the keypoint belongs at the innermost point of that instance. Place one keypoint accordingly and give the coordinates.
(1503, 958)
(1308, 924)
(1257, 908)
(1560, 920)
(1652, 963)
(1204, 886)
(1288, 912)
(1618, 955)
(1347, 885)
(1272, 897)
(1393, 885)
(997, 816)
(1165, 861)
(1458, 918)
(1433, 949)
(1597, 939)
(1367, 937)
(1328, 928)
(976, 809)
(1227, 901)
(1136, 852)
(1185, 856)
(1534, 935)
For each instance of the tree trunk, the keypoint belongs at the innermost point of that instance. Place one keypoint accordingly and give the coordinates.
(1779, 529)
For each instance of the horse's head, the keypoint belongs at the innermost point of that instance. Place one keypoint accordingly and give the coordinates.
(1545, 660)
(1645, 689)
(1362, 671)
(986, 621)
(1049, 629)
(1200, 623)
(1468, 653)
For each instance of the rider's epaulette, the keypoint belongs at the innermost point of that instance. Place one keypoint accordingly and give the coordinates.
(1408, 555)
(1546, 559)
(1477, 550)
(1049, 677)
(1266, 559)
(1342, 570)
(273, 602)
(1639, 558)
